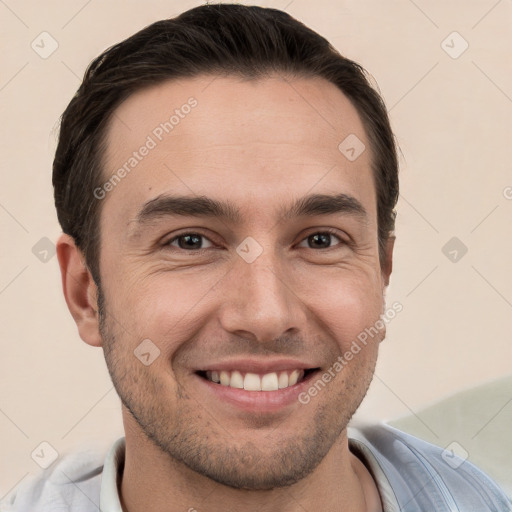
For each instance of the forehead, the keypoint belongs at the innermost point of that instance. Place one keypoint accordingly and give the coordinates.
(251, 140)
(268, 102)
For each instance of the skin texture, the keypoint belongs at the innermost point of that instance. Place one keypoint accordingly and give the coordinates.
(261, 144)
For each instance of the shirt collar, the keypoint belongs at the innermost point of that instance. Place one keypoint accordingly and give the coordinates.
(114, 465)
(112, 471)
(363, 452)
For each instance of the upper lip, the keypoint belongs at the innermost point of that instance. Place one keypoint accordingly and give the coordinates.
(261, 366)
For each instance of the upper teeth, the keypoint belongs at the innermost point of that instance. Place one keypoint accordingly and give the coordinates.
(254, 382)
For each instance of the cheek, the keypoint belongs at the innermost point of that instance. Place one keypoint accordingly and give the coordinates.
(170, 307)
(164, 307)
(348, 303)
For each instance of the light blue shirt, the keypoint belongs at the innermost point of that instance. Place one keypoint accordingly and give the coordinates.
(411, 475)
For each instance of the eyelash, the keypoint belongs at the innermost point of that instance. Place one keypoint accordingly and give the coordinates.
(326, 231)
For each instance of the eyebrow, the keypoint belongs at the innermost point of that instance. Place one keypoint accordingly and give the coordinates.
(201, 206)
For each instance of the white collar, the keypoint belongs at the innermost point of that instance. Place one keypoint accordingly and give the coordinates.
(114, 464)
(112, 469)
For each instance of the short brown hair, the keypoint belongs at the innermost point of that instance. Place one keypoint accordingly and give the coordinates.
(224, 39)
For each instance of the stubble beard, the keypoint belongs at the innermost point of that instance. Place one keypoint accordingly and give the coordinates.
(191, 436)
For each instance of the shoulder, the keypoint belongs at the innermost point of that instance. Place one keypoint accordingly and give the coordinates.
(423, 476)
(72, 483)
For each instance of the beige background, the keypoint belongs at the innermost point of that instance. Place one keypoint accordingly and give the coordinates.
(452, 118)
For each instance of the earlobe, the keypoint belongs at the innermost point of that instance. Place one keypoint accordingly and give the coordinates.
(80, 290)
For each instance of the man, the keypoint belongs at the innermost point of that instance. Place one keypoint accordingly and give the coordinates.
(226, 184)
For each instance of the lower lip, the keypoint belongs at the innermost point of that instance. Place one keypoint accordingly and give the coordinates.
(258, 401)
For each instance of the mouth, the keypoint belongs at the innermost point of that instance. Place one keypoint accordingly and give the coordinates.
(255, 385)
(263, 382)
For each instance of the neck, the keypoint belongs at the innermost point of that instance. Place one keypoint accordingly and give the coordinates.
(153, 480)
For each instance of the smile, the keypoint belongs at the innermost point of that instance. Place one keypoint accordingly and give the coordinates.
(255, 385)
(256, 382)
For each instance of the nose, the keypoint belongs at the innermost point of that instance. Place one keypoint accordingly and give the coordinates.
(259, 300)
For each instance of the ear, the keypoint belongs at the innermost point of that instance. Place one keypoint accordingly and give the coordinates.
(387, 269)
(80, 290)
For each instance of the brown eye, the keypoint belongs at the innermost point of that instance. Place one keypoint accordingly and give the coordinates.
(189, 241)
(321, 240)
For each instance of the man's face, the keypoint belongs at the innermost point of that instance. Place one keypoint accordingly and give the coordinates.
(290, 297)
